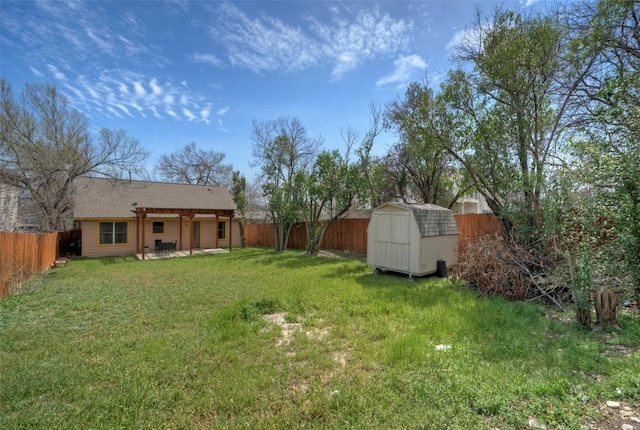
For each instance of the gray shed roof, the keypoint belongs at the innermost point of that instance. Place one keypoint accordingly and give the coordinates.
(108, 198)
(433, 220)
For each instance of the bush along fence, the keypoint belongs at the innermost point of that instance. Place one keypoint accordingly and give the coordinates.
(23, 255)
(351, 234)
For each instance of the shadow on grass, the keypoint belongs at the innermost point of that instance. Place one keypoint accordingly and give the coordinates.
(291, 259)
(416, 292)
(495, 329)
(115, 260)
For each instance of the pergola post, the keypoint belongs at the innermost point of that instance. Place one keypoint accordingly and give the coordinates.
(191, 234)
(189, 214)
(144, 218)
(180, 229)
(216, 230)
(230, 232)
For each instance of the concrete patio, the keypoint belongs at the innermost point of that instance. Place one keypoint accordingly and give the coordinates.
(176, 254)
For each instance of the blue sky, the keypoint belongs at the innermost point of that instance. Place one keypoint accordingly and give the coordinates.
(171, 73)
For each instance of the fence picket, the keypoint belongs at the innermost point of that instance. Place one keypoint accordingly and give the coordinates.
(351, 234)
(24, 254)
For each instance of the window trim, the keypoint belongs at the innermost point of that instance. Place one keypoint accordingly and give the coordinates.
(152, 227)
(222, 229)
(113, 233)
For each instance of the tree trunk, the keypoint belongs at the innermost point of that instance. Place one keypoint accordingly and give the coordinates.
(243, 239)
(277, 232)
(287, 231)
(314, 247)
(606, 307)
(583, 314)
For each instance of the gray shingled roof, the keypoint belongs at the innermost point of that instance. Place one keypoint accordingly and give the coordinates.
(108, 198)
(432, 220)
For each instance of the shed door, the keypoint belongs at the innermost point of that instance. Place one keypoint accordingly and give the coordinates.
(393, 240)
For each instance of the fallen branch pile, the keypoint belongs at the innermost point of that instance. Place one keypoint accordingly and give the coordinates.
(498, 268)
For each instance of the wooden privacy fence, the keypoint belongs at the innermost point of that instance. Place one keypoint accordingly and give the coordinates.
(351, 234)
(23, 255)
(345, 234)
(472, 227)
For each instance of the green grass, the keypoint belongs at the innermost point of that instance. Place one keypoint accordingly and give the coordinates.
(181, 343)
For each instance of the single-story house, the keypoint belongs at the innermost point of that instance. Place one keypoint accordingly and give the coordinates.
(126, 217)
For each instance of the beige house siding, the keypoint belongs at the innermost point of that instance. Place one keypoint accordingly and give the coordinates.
(91, 246)
(91, 240)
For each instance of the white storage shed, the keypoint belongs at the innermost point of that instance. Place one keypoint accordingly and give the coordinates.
(411, 238)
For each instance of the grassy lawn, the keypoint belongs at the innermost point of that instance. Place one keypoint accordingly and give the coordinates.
(181, 343)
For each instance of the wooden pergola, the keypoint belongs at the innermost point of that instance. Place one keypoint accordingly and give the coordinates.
(142, 212)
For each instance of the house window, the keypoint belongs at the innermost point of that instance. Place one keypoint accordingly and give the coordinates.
(158, 227)
(113, 232)
(222, 229)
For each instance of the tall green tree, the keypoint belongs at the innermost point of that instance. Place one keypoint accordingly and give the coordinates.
(238, 191)
(376, 170)
(283, 150)
(45, 145)
(422, 167)
(508, 114)
(608, 154)
(330, 189)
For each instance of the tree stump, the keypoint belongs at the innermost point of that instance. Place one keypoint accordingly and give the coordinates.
(583, 314)
(583, 311)
(606, 307)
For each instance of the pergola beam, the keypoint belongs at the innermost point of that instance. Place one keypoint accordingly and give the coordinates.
(142, 212)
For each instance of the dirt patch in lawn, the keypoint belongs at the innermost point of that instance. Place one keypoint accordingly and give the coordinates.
(290, 328)
(618, 417)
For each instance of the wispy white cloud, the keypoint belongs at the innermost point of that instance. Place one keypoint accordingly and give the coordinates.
(469, 37)
(188, 114)
(83, 28)
(172, 113)
(139, 89)
(123, 94)
(114, 112)
(207, 59)
(168, 99)
(205, 113)
(369, 35)
(139, 108)
(404, 70)
(123, 89)
(267, 44)
(156, 91)
(102, 43)
(222, 111)
(56, 73)
(36, 72)
(528, 3)
(154, 110)
(124, 109)
(220, 126)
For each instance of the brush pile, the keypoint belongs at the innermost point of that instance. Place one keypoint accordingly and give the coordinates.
(499, 268)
